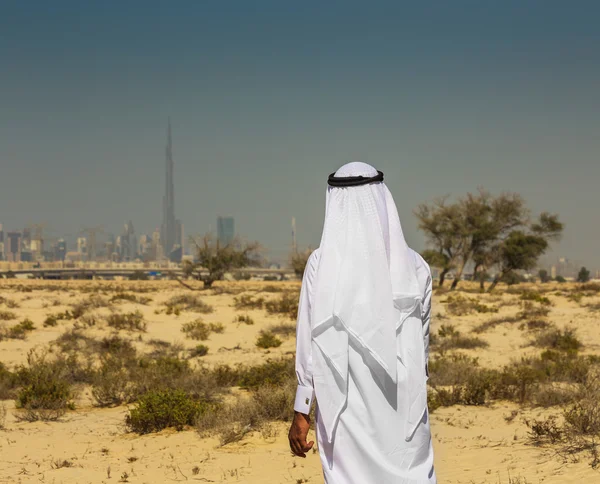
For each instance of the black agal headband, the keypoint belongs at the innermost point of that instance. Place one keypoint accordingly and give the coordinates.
(353, 181)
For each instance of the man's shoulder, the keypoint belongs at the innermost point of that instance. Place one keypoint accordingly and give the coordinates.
(421, 265)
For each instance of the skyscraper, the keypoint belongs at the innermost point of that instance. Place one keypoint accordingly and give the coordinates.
(169, 234)
(225, 230)
(13, 251)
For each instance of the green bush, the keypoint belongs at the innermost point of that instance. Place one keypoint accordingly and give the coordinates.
(267, 340)
(161, 409)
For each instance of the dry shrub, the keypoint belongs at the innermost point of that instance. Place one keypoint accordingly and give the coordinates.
(127, 321)
(246, 301)
(578, 430)
(3, 413)
(200, 350)
(535, 325)
(558, 340)
(244, 318)
(94, 301)
(7, 382)
(535, 297)
(594, 307)
(458, 305)
(254, 413)
(449, 338)
(46, 392)
(272, 288)
(530, 311)
(266, 340)
(452, 369)
(7, 316)
(283, 329)
(50, 321)
(123, 379)
(492, 323)
(125, 296)
(199, 330)
(188, 302)
(19, 331)
(286, 304)
(553, 395)
(9, 303)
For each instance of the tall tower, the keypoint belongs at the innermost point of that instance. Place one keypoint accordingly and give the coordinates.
(168, 231)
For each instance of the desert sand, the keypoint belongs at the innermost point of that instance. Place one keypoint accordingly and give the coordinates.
(472, 444)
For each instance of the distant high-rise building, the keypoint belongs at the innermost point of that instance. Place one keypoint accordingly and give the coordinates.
(13, 249)
(60, 250)
(170, 236)
(157, 248)
(225, 230)
(82, 246)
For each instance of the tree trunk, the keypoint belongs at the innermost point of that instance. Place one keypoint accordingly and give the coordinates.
(458, 275)
(494, 283)
(443, 277)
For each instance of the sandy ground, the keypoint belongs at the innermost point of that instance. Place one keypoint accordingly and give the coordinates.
(471, 444)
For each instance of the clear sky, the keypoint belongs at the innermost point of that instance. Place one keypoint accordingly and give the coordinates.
(267, 97)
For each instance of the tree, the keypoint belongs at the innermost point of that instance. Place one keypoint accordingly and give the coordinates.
(298, 261)
(544, 276)
(584, 275)
(441, 223)
(465, 232)
(213, 260)
(560, 279)
(522, 248)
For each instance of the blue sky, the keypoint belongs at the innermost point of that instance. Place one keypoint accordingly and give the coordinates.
(267, 97)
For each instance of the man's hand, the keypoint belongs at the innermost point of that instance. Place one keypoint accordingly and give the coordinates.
(298, 433)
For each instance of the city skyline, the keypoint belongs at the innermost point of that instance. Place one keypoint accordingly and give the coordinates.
(266, 100)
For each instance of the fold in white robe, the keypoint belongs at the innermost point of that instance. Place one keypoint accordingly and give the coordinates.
(369, 445)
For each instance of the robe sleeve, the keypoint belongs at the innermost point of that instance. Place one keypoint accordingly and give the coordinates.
(304, 367)
(426, 318)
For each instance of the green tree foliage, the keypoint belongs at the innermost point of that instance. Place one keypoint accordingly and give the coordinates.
(584, 275)
(522, 249)
(544, 276)
(214, 260)
(485, 231)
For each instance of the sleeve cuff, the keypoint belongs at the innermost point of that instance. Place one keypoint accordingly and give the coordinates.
(304, 399)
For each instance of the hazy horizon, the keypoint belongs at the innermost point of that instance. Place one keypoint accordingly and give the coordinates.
(266, 99)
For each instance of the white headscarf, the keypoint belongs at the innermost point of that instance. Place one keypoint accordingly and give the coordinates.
(365, 289)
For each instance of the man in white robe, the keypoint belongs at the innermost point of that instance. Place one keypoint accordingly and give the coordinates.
(363, 341)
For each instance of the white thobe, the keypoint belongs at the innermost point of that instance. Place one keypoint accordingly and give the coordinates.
(369, 445)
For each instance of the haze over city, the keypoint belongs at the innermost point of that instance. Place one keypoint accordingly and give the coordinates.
(266, 99)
